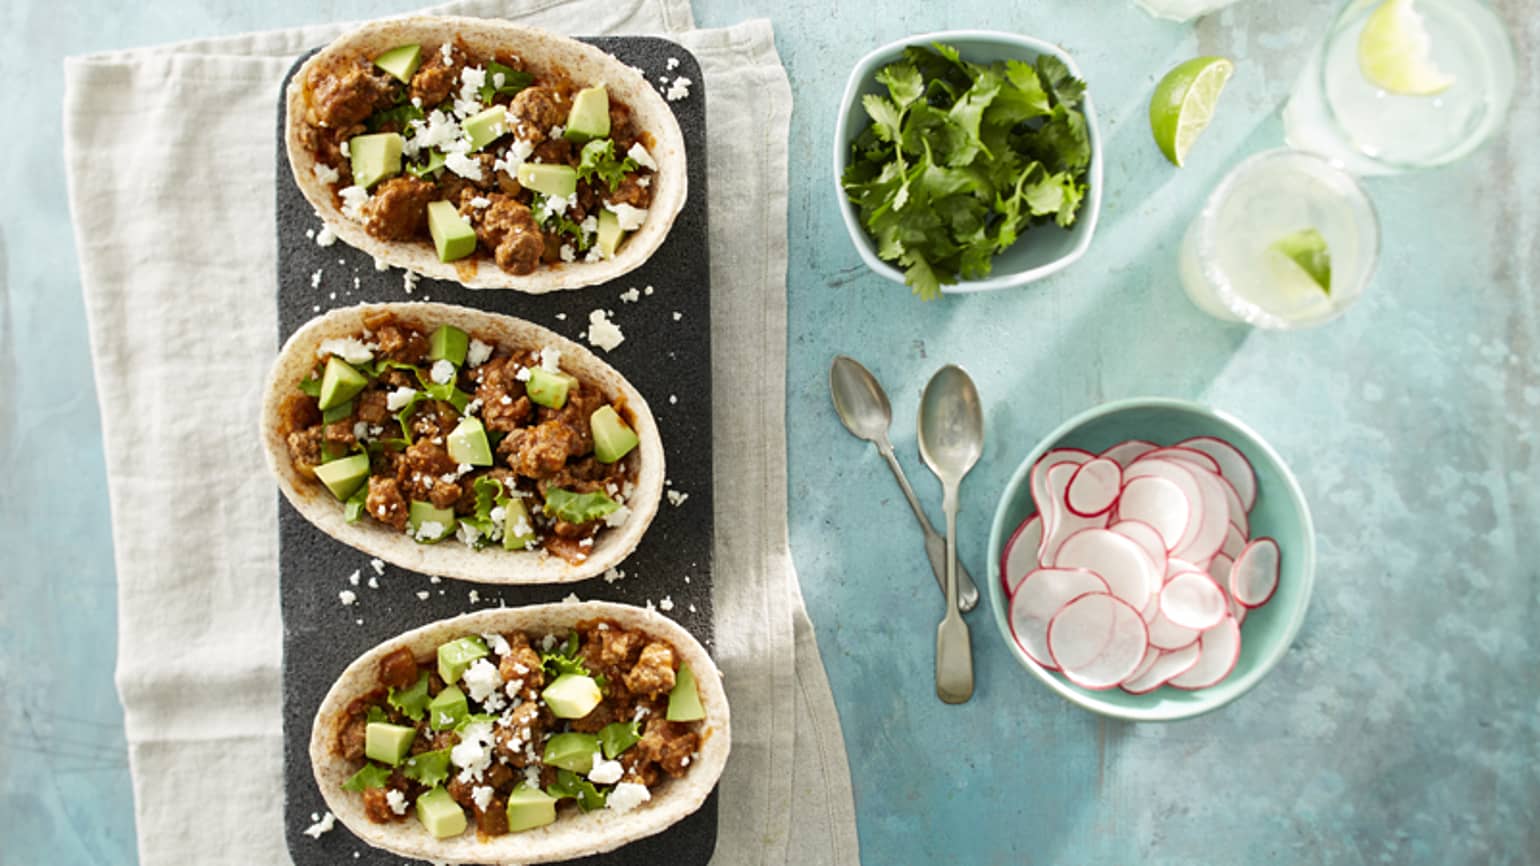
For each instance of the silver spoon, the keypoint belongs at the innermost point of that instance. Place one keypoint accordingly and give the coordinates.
(951, 440)
(863, 408)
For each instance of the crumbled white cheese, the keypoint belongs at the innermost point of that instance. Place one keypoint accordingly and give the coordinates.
(602, 332)
(467, 534)
(630, 296)
(550, 359)
(442, 371)
(473, 754)
(547, 642)
(516, 155)
(378, 565)
(571, 598)
(589, 225)
(467, 167)
(613, 574)
(374, 583)
(639, 154)
(398, 398)
(353, 198)
(627, 796)
(347, 596)
(474, 596)
(481, 679)
(360, 431)
(447, 53)
(498, 513)
(325, 237)
(553, 205)
(380, 264)
(353, 578)
(480, 202)
(324, 825)
(556, 131)
(678, 315)
(680, 89)
(471, 80)
(396, 800)
(618, 517)
(438, 131)
(350, 349)
(605, 772)
(429, 530)
(315, 279)
(325, 173)
(568, 254)
(594, 254)
(675, 498)
(409, 279)
(673, 63)
(667, 603)
(422, 595)
(481, 795)
(672, 399)
(497, 644)
(477, 354)
(631, 218)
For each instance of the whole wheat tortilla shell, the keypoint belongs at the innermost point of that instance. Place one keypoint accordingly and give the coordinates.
(451, 558)
(543, 53)
(573, 835)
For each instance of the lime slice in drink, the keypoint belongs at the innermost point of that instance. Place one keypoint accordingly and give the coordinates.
(1307, 249)
(1184, 103)
(1395, 52)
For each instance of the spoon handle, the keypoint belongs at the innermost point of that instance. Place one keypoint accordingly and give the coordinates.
(954, 647)
(935, 545)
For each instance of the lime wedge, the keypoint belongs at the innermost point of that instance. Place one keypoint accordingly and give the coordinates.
(1395, 52)
(1307, 249)
(1184, 102)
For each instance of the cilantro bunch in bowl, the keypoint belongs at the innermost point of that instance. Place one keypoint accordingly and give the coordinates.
(960, 163)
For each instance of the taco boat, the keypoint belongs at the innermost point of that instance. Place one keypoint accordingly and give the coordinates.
(485, 152)
(461, 443)
(522, 735)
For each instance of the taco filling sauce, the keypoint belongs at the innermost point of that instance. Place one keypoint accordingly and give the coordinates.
(478, 155)
(508, 732)
(446, 438)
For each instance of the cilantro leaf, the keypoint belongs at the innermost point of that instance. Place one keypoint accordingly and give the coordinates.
(395, 119)
(411, 701)
(1059, 81)
(370, 776)
(599, 160)
(560, 224)
(564, 658)
(569, 785)
(436, 160)
(616, 737)
(429, 768)
(885, 116)
(512, 81)
(577, 507)
(903, 82)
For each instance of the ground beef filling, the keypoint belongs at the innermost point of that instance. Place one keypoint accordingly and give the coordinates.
(535, 449)
(636, 669)
(514, 226)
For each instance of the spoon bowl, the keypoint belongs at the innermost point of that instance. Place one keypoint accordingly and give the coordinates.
(951, 424)
(859, 400)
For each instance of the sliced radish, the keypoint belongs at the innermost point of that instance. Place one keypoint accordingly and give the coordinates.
(1037, 479)
(1097, 640)
(1117, 559)
(1171, 663)
(1160, 504)
(1219, 570)
(1020, 555)
(1233, 465)
(1238, 514)
(1094, 487)
(1203, 543)
(1254, 577)
(1218, 650)
(1151, 656)
(1125, 453)
(1235, 542)
(1193, 600)
(1059, 523)
(1167, 635)
(1038, 597)
(1238, 611)
(1185, 455)
(1146, 537)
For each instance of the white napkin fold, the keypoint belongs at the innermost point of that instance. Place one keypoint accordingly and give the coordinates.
(170, 160)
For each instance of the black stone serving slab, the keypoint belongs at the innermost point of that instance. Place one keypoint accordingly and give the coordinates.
(666, 355)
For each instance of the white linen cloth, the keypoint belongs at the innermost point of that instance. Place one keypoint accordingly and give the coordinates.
(170, 160)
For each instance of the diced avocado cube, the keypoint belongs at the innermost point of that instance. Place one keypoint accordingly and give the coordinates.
(453, 237)
(486, 126)
(518, 532)
(590, 115)
(428, 523)
(454, 657)
(529, 808)
(337, 413)
(548, 178)
(467, 443)
(401, 62)
(612, 438)
(546, 388)
(388, 743)
(343, 477)
(339, 383)
(610, 233)
(573, 752)
(572, 696)
(684, 700)
(447, 708)
(448, 343)
(375, 157)
(440, 814)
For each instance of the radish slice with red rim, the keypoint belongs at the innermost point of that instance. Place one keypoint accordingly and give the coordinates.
(1094, 487)
(1219, 570)
(1204, 542)
(1151, 656)
(1097, 640)
(1037, 479)
(1147, 538)
(1235, 542)
(1233, 465)
(1185, 455)
(1125, 453)
(1238, 515)
(1238, 611)
(1059, 523)
(1171, 663)
(1193, 600)
(1020, 555)
(1158, 503)
(1254, 577)
(1038, 597)
(1167, 635)
(1118, 560)
(1218, 650)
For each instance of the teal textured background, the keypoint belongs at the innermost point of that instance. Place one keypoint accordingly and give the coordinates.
(1401, 729)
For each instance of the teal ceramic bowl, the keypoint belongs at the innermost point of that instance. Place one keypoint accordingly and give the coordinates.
(1280, 512)
(1039, 253)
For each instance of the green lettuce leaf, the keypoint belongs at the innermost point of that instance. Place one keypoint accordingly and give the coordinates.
(513, 81)
(616, 737)
(570, 785)
(578, 507)
(429, 768)
(599, 161)
(412, 701)
(370, 776)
